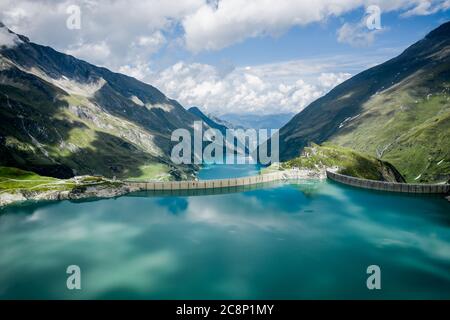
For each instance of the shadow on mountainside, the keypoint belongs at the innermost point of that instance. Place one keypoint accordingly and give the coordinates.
(33, 136)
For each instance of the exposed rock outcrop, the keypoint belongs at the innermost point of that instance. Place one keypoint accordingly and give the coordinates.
(82, 192)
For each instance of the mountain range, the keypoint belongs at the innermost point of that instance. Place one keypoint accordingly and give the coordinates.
(61, 116)
(398, 111)
(243, 120)
(256, 121)
(209, 120)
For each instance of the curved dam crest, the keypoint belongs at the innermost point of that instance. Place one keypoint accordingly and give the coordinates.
(217, 183)
(288, 175)
(389, 186)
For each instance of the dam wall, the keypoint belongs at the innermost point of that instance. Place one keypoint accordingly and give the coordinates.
(211, 184)
(287, 175)
(389, 186)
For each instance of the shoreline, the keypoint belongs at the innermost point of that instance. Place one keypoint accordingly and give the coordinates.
(81, 192)
(111, 189)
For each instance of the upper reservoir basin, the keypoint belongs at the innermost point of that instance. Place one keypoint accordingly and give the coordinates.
(308, 239)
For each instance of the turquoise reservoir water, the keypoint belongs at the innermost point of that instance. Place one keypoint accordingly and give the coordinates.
(306, 240)
(223, 171)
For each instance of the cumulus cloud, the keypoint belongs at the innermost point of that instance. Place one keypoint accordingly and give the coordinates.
(151, 42)
(213, 27)
(133, 30)
(265, 89)
(139, 71)
(114, 33)
(231, 21)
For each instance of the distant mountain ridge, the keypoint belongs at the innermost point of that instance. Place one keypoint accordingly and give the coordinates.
(61, 116)
(398, 111)
(257, 121)
(208, 120)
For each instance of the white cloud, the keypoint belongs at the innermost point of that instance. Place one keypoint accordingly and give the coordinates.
(152, 41)
(424, 8)
(114, 33)
(357, 34)
(8, 39)
(330, 80)
(96, 53)
(274, 88)
(134, 30)
(232, 21)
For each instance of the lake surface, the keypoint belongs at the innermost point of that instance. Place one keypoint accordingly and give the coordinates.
(305, 240)
(223, 171)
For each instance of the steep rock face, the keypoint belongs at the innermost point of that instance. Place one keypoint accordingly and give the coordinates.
(61, 116)
(398, 111)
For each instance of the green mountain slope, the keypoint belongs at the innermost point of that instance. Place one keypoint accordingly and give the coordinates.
(398, 111)
(348, 161)
(60, 117)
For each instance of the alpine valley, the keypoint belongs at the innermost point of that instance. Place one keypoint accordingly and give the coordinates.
(100, 200)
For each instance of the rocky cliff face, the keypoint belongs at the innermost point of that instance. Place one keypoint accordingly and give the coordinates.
(61, 116)
(89, 192)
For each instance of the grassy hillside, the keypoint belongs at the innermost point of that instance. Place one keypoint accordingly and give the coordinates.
(397, 111)
(349, 162)
(408, 128)
(14, 180)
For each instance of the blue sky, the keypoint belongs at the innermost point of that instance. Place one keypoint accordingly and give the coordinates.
(244, 56)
